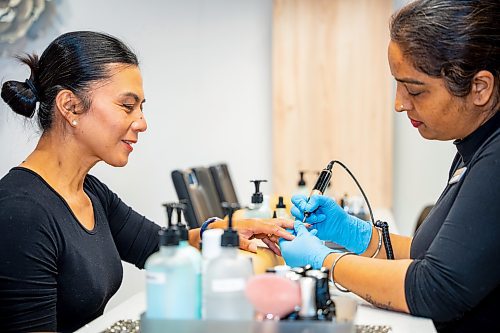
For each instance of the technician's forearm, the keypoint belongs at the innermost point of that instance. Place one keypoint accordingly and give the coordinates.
(400, 245)
(380, 282)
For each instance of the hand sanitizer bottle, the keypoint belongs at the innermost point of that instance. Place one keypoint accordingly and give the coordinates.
(259, 208)
(226, 279)
(211, 249)
(301, 185)
(192, 255)
(168, 277)
(281, 211)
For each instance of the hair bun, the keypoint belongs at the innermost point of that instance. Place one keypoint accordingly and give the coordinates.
(20, 97)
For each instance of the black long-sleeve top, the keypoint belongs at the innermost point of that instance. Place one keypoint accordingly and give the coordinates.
(455, 276)
(55, 275)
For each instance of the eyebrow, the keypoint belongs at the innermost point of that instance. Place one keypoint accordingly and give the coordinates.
(411, 81)
(135, 96)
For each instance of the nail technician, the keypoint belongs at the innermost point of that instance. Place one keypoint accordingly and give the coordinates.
(445, 57)
(63, 232)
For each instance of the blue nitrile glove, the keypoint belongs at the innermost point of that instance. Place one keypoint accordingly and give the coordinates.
(304, 249)
(333, 223)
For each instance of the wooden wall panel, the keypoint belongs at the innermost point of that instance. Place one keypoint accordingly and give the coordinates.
(332, 93)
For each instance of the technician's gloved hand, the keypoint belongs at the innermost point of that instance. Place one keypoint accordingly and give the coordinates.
(305, 249)
(333, 223)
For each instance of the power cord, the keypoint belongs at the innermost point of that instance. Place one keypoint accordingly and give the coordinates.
(384, 226)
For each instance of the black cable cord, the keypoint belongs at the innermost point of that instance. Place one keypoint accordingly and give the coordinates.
(386, 238)
(384, 226)
(359, 187)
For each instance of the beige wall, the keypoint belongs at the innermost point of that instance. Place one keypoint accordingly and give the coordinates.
(332, 94)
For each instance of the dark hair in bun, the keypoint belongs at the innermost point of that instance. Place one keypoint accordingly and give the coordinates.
(19, 95)
(72, 61)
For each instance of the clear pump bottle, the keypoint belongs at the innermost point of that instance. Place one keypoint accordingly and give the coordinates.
(226, 278)
(281, 211)
(259, 208)
(191, 254)
(169, 277)
(211, 249)
(301, 185)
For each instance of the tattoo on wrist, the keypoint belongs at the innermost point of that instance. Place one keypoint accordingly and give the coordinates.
(385, 306)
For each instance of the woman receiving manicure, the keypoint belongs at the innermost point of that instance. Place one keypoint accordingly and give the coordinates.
(63, 232)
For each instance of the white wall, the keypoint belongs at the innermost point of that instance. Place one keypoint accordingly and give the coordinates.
(420, 172)
(420, 169)
(206, 66)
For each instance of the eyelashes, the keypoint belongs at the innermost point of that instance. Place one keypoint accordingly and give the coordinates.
(412, 93)
(130, 107)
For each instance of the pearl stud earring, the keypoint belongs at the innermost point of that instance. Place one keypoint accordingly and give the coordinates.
(74, 123)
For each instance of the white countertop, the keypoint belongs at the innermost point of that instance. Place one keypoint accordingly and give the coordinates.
(366, 315)
(399, 322)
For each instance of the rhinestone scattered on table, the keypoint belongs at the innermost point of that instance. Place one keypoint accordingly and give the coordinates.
(124, 326)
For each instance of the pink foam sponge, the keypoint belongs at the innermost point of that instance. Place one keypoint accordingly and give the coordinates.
(272, 294)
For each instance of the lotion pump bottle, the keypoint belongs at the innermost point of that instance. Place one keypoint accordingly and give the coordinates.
(226, 278)
(211, 249)
(281, 211)
(168, 277)
(191, 254)
(301, 185)
(259, 208)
